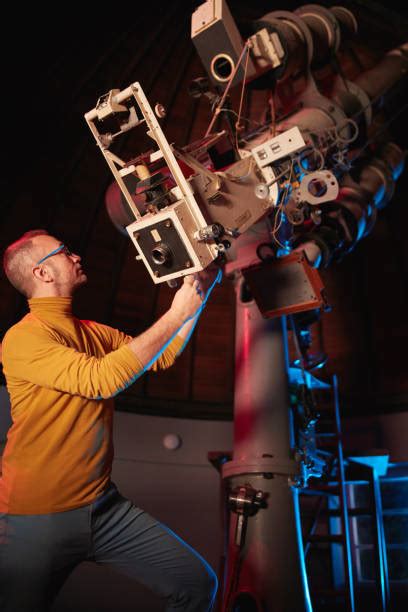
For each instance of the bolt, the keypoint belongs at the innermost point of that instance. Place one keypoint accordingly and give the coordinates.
(168, 223)
(156, 273)
(187, 264)
(160, 110)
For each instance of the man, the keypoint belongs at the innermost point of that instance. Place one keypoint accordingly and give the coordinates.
(58, 505)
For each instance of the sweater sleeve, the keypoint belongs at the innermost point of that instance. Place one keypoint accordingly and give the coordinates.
(115, 339)
(169, 355)
(112, 338)
(34, 354)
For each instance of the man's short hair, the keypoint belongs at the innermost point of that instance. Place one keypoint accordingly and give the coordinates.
(18, 261)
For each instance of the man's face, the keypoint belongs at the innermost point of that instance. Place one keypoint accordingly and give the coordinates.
(65, 270)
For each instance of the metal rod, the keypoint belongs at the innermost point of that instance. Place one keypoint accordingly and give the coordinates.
(348, 564)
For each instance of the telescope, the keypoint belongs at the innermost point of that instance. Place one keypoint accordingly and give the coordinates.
(273, 201)
(304, 171)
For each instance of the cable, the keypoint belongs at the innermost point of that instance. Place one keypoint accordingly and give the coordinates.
(237, 124)
(310, 152)
(229, 110)
(217, 279)
(297, 348)
(279, 210)
(241, 177)
(233, 581)
(272, 128)
(217, 110)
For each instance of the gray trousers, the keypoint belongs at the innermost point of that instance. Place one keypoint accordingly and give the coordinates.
(38, 552)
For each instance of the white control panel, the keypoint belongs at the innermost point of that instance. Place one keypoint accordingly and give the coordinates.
(280, 146)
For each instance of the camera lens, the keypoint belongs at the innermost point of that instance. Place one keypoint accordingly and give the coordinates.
(161, 255)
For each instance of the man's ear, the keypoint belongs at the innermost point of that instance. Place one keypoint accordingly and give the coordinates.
(42, 274)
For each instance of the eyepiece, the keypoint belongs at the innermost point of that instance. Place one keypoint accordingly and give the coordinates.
(222, 67)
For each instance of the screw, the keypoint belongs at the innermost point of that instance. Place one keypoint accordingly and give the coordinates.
(187, 264)
(156, 273)
(168, 223)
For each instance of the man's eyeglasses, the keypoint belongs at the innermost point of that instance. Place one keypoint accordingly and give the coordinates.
(61, 249)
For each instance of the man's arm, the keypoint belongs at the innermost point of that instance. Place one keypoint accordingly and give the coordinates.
(206, 279)
(168, 353)
(204, 284)
(178, 320)
(34, 354)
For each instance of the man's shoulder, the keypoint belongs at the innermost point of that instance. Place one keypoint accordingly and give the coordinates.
(29, 323)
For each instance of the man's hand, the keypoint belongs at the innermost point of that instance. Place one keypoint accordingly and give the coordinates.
(207, 277)
(188, 298)
(186, 303)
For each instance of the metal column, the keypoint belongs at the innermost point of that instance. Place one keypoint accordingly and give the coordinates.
(265, 562)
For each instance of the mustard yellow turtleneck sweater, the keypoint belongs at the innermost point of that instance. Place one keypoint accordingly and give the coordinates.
(61, 376)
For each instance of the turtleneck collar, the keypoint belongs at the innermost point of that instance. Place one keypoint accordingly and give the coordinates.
(51, 305)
